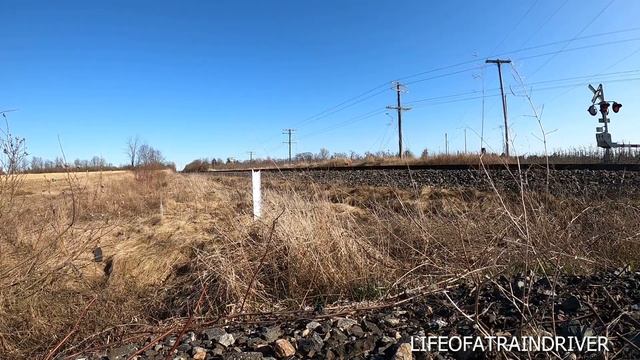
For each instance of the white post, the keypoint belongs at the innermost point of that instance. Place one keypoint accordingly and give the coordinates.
(257, 194)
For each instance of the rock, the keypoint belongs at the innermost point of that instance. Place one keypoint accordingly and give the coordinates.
(284, 349)
(344, 323)
(388, 339)
(336, 338)
(272, 334)
(369, 326)
(170, 341)
(184, 347)
(403, 352)
(391, 321)
(313, 325)
(190, 336)
(245, 356)
(198, 353)
(311, 345)
(226, 340)
(255, 343)
(121, 352)
(356, 331)
(571, 304)
(213, 333)
(218, 350)
(438, 324)
(575, 329)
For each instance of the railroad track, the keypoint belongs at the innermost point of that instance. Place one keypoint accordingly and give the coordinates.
(564, 179)
(513, 167)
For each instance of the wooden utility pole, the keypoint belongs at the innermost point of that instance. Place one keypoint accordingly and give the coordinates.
(289, 132)
(399, 88)
(499, 62)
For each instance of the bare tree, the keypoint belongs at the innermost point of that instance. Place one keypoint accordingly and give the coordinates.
(133, 149)
(13, 153)
(148, 156)
(323, 154)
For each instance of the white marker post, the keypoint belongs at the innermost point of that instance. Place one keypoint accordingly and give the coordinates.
(257, 194)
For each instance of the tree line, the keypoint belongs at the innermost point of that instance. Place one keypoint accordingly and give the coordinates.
(139, 154)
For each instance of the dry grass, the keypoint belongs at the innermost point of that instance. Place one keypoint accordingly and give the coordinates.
(315, 244)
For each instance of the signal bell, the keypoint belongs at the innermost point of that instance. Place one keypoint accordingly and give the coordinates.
(616, 107)
(592, 110)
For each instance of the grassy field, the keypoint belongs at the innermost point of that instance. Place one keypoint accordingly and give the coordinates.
(169, 240)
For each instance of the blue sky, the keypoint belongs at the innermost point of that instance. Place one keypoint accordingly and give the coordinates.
(220, 78)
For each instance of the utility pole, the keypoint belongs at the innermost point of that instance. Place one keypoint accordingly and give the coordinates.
(399, 88)
(289, 132)
(499, 62)
(250, 157)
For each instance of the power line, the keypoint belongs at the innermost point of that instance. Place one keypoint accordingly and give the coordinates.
(443, 75)
(370, 93)
(516, 25)
(544, 23)
(625, 72)
(615, 42)
(373, 92)
(347, 122)
(511, 52)
(574, 38)
(532, 89)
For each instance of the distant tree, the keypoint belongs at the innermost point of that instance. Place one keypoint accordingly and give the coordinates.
(37, 164)
(98, 162)
(323, 154)
(59, 162)
(407, 154)
(305, 156)
(148, 156)
(197, 166)
(132, 150)
(339, 155)
(425, 154)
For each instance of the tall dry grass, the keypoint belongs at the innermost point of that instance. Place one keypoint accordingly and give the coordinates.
(316, 244)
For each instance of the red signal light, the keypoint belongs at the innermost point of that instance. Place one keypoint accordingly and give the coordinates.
(616, 107)
(604, 107)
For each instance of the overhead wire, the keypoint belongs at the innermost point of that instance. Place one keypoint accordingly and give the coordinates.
(379, 89)
(562, 49)
(545, 22)
(526, 13)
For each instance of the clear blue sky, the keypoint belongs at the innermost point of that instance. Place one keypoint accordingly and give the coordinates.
(220, 78)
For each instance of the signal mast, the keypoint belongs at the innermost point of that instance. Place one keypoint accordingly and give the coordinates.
(603, 136)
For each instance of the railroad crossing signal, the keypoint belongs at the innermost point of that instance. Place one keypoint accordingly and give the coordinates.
(603, 137)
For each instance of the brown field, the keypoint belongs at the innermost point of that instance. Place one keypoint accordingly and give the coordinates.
(170, 239)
